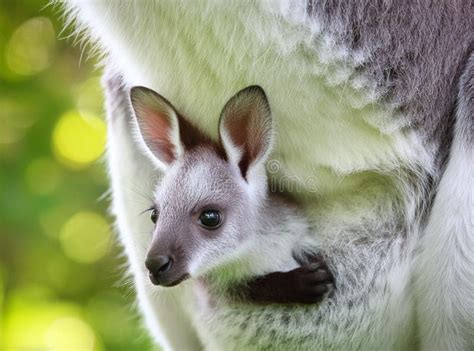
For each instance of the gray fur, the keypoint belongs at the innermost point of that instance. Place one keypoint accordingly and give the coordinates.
(417, 51)
(465, 121)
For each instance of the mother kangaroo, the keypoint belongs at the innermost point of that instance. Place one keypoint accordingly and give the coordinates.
(374, 110)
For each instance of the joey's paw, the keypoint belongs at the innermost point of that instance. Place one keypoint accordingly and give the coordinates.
(312, 283)
(308, 284)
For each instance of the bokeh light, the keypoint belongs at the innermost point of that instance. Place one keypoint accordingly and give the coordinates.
(78, 139)
(33, 322)
(70, 333)
(31, 46)
(86, 237)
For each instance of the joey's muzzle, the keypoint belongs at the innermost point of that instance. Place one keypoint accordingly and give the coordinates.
(164, 270)
(157, 267)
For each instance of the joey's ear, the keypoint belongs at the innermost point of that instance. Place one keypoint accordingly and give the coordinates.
(246, 129)
(158, 124)
(166, 134)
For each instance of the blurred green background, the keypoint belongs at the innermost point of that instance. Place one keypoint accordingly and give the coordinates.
(62, 285)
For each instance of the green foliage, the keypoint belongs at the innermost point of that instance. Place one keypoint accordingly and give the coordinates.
(61, 281)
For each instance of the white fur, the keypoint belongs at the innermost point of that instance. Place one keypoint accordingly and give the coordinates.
(445, 266)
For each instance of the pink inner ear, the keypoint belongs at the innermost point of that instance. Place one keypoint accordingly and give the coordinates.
(249, 131)
(156, 130)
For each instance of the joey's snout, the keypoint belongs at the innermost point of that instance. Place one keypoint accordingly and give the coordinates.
(157, 267)
(164, 270)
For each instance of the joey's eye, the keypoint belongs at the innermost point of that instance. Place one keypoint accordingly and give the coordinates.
(154, 215)
(210, 219)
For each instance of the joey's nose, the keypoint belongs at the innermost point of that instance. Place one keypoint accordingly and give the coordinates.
(157, 266)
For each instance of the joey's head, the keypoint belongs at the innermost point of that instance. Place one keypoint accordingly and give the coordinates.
(206, 208)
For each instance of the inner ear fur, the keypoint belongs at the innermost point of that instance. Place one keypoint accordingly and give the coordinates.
(245, 128)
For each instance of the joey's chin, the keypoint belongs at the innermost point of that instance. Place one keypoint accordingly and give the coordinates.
(168, 281)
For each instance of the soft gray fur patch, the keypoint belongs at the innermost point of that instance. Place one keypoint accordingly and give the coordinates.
(465, 124)
(417, 51)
